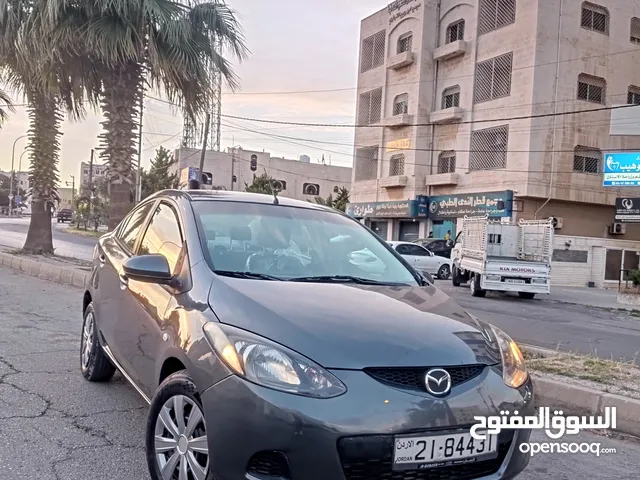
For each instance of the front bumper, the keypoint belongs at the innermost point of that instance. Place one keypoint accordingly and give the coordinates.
(258, 433)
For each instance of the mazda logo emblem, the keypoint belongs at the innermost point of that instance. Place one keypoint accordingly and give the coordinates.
(438, 382)
(627, 203)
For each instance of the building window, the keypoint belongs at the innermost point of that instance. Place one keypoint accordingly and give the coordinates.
(489, 148)
(369, 107)
(311, 189)
(404, 42)
(495, 14)
(635, 30)
(493, 78)
(396, 165)
(372, 55)
(401, 104)
(366, 164)
(455, 31)
(451, 97)
(447, 162)
(594, 17)
(586, 159)
(336, 189)
(591, 89)
(633, 96)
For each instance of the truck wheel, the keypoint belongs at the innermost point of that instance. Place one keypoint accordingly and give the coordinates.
(476, 290)
(455, 276)
(526, 295)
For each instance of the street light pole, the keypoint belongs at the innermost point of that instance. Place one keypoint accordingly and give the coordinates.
(13, 154)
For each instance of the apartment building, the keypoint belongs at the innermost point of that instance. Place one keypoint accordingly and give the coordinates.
(298, 179)
(99, 171)
(466, 103)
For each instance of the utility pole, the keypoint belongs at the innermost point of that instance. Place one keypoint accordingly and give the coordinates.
(233, 158)
(207, 121)
(90, 185)
(139, 176)
(13, 153)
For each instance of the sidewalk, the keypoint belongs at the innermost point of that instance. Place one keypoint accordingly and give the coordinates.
(594, 297)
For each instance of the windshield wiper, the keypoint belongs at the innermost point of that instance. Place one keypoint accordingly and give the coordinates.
(254, 276)
(341, 279)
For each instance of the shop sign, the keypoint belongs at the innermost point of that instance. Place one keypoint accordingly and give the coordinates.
(621, 169)
(627, 210)
(395, 145)
(394, 9)
(494, 204)
(400, 209)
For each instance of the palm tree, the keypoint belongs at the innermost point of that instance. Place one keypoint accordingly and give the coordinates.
(32, 65)
(4, 109)
(161, 44)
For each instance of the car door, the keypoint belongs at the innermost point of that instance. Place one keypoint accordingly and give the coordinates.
(424, 259)
(144, 304)
(112, 252)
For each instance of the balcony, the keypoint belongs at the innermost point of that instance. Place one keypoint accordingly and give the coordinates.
(398, 121)
(446, 115)
(450, 50)
(400, 60)
(442, 179)
(397, 181)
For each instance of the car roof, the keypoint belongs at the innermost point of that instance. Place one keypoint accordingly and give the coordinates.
(239, 197)
(396, 242)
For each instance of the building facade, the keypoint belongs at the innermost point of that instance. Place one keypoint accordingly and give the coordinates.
(99, 171)
(466, 105)
(298, 179)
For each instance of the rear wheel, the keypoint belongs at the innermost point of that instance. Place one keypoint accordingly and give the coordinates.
(94, 363)
(474, 285)
(444, 272)
(526, 295)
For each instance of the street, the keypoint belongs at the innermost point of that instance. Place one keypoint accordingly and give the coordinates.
(13, 232)
(54, 425)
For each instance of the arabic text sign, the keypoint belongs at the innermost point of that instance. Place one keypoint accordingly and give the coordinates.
(621, 169)
(555, 426)
(457, 206)
(627, 210)
(395, 145)
(401, 209)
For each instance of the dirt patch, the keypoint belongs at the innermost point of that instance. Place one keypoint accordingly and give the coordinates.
(84, 233)
(622, 378)
(57, 260)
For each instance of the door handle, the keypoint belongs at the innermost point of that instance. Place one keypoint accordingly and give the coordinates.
(124, 281)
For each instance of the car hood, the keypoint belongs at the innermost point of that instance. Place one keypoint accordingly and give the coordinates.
(355, 326)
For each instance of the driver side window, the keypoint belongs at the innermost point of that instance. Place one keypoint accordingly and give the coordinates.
(418, 251)
(163, 236)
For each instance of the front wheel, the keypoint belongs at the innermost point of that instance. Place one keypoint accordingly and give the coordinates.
(526, 295)
(455, 276)
(176, 432)
(444, 272)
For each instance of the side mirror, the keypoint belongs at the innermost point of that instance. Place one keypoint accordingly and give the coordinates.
(427, 276)
(148, 269)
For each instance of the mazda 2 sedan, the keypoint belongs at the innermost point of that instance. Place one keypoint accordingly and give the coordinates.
(267, 353)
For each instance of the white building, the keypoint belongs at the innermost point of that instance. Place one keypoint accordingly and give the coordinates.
(470, 103)
(99, 171)
(299, 179)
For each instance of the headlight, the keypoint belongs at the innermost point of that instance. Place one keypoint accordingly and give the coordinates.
(514, 371)
(266, 363)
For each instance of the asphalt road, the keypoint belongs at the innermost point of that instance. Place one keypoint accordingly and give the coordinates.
(56, 426)
(572, 328)
(13, 233)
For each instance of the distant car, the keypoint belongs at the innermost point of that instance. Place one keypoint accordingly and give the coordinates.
(65, 215)
(438, 246)
(423, 260)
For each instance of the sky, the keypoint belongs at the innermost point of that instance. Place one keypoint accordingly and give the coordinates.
(295, 46)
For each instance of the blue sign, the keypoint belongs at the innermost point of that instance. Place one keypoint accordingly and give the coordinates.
(399, 209)
(494, 204)
(193, 173)
(621, 169)
(18, 200)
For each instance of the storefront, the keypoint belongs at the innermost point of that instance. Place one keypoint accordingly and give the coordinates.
(445, 210)
(401, 220)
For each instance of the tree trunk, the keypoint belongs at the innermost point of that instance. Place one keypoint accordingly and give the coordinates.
(44, 146)
(120, 105)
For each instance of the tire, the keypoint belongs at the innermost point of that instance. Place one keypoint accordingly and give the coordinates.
(455, 276)
(476, 290)
(176, 388)
(444, 272)
(94, 363)
(526, 295)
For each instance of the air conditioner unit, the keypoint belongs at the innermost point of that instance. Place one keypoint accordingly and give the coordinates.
(617, 229)
(557, 222)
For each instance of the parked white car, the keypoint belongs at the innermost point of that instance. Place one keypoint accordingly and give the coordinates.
(423, 260)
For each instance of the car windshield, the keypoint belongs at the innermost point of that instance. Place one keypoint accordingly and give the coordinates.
(276, 242)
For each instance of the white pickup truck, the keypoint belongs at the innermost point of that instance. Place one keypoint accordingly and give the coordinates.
(504, 257)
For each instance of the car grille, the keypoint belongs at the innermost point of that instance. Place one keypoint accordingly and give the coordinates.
(371, 458)
(414, 378)
(269, 465)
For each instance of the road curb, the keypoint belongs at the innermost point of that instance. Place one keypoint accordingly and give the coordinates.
(73, 277)
(578, 400)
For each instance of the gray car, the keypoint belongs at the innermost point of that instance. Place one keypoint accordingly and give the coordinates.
(266, 352)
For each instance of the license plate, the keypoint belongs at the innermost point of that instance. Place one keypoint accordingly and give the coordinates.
(513, 280)
(431, 451)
